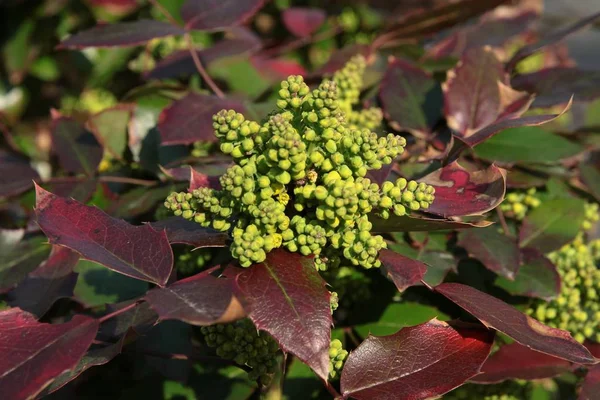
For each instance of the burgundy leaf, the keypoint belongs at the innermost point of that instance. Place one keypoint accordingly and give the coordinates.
(80, 188)
(201, 299)
(475, 91)
(340, 57)
(554, 86)
(136, 251)
(189, 119)
(218, 14)
(459, 192)
(496, 251)
(417, 362)
(515, 361)
(405, 93)
(77, 149)
(287, 298)
(199, 180)
(275, 69)
(417, 224)
(141, 200)
(591, 384)
(380, 175)
(16, 175)
(33, 354)
(116, 7)
(403, 271)
(195, 178)
(495, 313)
(554, 38)
(53, 280)
(303, 21)
(137, 320)
(121, 34)
(180, 230)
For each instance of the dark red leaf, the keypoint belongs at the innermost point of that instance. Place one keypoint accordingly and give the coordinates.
(591, 385)
(116, 7)
(199, 180)
(16, 175)
(33, 354)
(537, 277)
(190, 119)
(287, 298)
(180, 230)
(121, 34)
(77, 149)
(195, 178)
(554, 38)
(136, 251)
(459, 192)
(411, 99)
(136, 320)
(553, 86)
(80, 188)
(418, 224)
(496, 251)
(418, 362)
(218, 14)
(53, 280)
(201, 299)
(515, 361)
(303, 21)
(340, 57)
(495, 313)
(403, 271)
(275, 69)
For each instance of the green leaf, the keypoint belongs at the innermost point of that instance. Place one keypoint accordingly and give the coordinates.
(528, 144)
(110, 127)
(20, 258)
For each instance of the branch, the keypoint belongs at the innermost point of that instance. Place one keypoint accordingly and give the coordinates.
(201, 69)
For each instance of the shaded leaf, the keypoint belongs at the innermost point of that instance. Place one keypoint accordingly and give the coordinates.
(515, 361)
(591, 384)
(340, 57)
(459, 192)
(218, 14)
(439, 263)
(553, 224)
(415, 224)
(277, 69)
(190, 119)
(77, 149)
(201, 299)
(403, 271)
(34, 353)
(16, 175)
(17, 259)
(110, 127)
(121, 34)
(495, 313)
(80, 188)
(138, 319)
(53, 280)
(590, 175)
(137, 251)
(287, 298)
(527, 145)
(496, 251)
(141, 200)
(303, 21)
(417, 362)
(537, 277)
(411, 99)
(180, 230)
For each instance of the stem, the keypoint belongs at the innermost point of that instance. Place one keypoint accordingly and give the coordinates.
(332, 390)
(201, 69)
(352, 336)
(164, 12)
(124, 179)
(118, 312)
(300, 42)
(502, 221)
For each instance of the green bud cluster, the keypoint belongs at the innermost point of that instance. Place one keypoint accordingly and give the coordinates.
(333, 301)
(591, 216)
(90, 101)
(241, 342)
(201, 148)
(349, 81)
(517, 204)
(299, 178)
(577, 308)
(337, 357)
(191, 262)
(507, 390)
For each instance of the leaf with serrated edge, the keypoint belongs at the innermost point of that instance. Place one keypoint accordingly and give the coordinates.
(403, 271)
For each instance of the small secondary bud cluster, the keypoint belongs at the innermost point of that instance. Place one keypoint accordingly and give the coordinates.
(517, 204)
(577, 308)
(299, 179)
(337, 358)
(191, 262)
(241, 342)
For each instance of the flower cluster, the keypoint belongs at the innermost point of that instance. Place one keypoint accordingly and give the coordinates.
(518, 204)
(299, 180)
(241, 342)
(337, 358)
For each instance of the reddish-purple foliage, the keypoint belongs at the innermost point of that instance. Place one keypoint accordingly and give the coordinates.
(403, 271)
(515, 361)
(180, 230)
(137, 251)
(274, 69)
(591, 384)
(417, 362)
(496, 251)
(202, 299)
(218, 14)
(459, 192)
(303, 21)
(495, 313)
(417, 224)
(33, 354)
(121, 34)
(77, 149)
(16, 175)
(189, 119)
(537, 277)
(287, 297)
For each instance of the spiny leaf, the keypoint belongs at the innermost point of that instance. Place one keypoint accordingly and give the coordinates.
(416, 224)
(496, 251)
(218, 14)
(403, 271)
(16, 175)
(77, 149)
(180, 230)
